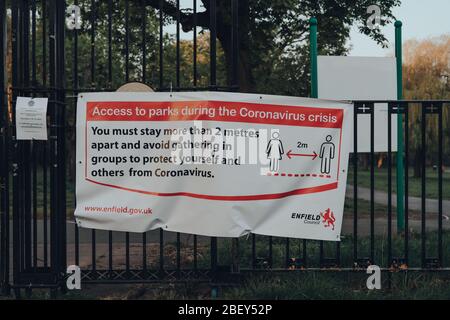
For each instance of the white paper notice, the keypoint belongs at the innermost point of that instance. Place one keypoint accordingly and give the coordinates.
(31, 118)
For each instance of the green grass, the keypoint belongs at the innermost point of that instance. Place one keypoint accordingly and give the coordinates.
(43, 195)
(415, 184)
(329, 284)
(313, 250)
(296, 285)
(288, 286)
(315, 285)
(346, 248)
(364, 208)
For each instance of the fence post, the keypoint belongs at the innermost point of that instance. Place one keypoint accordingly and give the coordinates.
(61, 133)
(235, 267)
(313, 56)
(57, 141)
(400, 151)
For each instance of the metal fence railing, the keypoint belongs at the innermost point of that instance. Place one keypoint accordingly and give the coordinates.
(38, 236)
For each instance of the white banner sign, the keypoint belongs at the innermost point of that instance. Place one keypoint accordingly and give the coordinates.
(362, 78)
(210, 163)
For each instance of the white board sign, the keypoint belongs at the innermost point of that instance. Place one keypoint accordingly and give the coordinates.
(210, 163)
(31, 118)
(362, 78)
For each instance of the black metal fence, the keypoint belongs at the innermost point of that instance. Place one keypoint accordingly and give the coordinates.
(38, 236)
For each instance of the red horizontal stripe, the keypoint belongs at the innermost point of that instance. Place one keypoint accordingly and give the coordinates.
(298, 175)
(271, 196)
(125, 111)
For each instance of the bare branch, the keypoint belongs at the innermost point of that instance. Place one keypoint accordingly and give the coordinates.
(186, 19)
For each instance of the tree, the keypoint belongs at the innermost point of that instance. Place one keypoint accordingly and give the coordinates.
(426, 68)
(273, 44)
(426, 71)
(273, 34)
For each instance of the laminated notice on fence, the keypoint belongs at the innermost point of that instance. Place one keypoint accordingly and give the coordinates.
(31, 118)
(211, 163)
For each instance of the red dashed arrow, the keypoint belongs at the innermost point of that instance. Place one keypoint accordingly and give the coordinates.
(290, 155)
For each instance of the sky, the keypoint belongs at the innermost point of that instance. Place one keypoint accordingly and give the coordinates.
(421, 20)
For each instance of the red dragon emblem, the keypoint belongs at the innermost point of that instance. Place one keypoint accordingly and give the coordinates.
(328, 218)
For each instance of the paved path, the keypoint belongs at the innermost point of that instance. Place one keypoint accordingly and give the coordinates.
(415, 203)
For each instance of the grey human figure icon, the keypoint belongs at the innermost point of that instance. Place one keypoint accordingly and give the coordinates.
(177, 151)
(274, 152)
(326, 154)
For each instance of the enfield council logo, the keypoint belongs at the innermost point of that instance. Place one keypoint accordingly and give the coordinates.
(326, 218)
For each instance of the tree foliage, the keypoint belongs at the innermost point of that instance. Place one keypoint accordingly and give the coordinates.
(273, 48)
(279, 38)
(426, 68)
(273, 36)
(426, 72)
